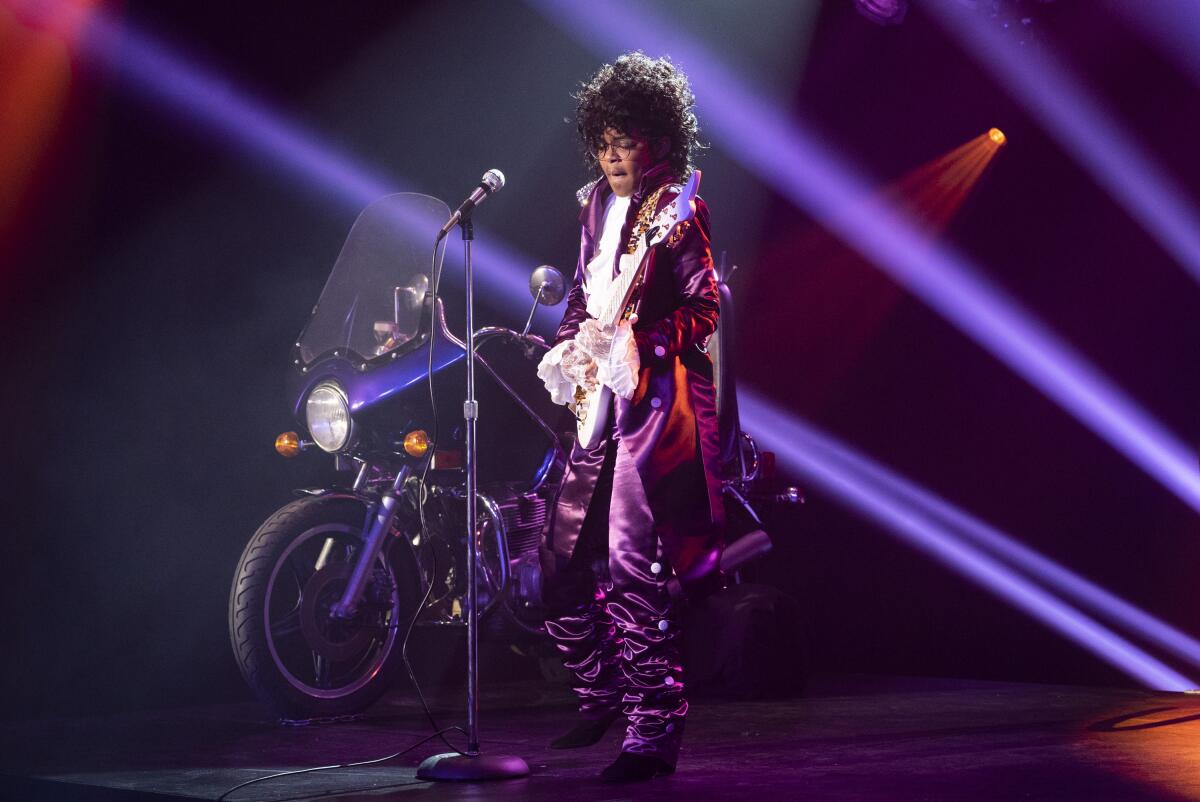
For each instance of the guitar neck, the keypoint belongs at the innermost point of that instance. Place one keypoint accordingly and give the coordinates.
(622, 286)
(631, 265)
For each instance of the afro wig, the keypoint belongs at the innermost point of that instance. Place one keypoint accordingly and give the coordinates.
(643, 96)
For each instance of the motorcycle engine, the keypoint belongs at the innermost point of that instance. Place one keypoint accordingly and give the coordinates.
(524, 522)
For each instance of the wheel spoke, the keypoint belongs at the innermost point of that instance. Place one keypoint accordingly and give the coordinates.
(300, 572)
(287, 625)
(322, 667)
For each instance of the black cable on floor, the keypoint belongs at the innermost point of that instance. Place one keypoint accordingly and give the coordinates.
(355, 764)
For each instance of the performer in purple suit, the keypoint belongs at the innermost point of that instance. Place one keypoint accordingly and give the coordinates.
(644, 504)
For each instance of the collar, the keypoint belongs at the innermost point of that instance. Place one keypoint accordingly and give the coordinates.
(592, 196)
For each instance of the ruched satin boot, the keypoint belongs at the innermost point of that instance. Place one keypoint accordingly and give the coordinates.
(591, 651)
(653, 700)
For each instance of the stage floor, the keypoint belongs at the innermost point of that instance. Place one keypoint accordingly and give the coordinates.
(852, 738)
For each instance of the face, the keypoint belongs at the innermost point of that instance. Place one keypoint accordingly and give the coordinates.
(624, 158)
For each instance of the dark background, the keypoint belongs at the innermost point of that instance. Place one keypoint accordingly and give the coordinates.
(156, 273)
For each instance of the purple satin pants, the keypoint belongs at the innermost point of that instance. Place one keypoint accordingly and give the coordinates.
(609, 611)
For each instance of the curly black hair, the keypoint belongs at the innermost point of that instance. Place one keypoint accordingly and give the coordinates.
(639, 95)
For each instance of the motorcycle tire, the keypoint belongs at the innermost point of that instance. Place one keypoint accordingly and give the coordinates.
(287, 648)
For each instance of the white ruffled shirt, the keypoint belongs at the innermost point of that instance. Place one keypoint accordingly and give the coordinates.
(619, 372)
(598, 273)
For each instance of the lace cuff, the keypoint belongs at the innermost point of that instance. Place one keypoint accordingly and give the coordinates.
(561, 389)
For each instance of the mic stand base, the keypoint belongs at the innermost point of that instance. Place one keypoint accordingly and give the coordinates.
(453, 767)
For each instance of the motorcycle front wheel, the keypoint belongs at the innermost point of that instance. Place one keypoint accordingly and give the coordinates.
(296, 657)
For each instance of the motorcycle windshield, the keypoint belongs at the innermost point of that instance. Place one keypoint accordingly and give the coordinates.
(372, 303)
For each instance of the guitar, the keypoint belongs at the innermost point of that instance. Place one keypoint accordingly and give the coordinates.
(591, 406)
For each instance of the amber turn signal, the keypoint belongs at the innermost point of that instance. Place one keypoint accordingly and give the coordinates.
(416, 443)
(288, 444)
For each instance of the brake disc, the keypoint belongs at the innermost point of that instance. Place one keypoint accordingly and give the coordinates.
(331, 638)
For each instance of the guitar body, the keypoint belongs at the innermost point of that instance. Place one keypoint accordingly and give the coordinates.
(591, 414)
(591, 406)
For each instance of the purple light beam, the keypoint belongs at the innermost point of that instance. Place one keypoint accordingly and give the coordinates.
(1063, 581)
(1175, 26)
(218, 108)
(791, 440)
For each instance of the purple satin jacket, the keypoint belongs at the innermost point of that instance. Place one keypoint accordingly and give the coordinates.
(670, 424)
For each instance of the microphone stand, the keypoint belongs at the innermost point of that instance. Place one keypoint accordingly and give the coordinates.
(473, 765)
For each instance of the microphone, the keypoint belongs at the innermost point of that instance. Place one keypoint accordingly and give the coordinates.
(493, 181)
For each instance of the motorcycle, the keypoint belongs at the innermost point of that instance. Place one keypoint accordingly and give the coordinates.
(330, 584)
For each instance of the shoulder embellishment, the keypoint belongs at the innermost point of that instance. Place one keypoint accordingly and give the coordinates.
(584, 192)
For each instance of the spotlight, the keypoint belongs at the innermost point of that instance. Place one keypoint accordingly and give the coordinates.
(1088, 130)
(997, 136)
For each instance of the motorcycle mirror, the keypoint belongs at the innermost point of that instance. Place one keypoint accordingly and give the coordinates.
(547, 285)
(410, 297)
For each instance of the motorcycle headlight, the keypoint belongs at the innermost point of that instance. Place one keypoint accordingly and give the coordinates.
(328, 415)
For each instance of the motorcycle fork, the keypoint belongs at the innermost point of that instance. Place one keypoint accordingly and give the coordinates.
(377, 532)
